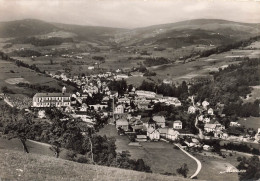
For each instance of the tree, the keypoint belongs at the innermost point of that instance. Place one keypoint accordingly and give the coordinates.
(19, 129)
(56, 148)
(251, 167)
(183, 170)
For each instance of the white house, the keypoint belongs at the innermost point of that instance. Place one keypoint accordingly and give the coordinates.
(121, 76)
(91, 67)
(205, 104)
(191, 110)
(210, 111)
(177, 124)
(235, 124)
(119, 109)
(124, 100)
(206, 120)
(153, 133)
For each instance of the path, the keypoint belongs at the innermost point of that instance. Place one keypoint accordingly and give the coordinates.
(201, 136)
(8, 102)
(197, 161)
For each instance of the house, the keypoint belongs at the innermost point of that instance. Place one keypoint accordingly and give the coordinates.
(160, 120)
(41, 114)
(91, 67)
(51, 100)
(210, 111)
(83, 107)
(201, 118)
(153, 133)
(141, 138)
(206, 147)
(235, 124)
(119, 109)
(121, 76)
(209, 127)
(206, 120)
(84, 117)
(167, 81)
(146, 94)
(137, 74)
(98, 107)
(123, 124)
(124, 100)
(191, 110)
(177, 124)
(172, 134)
(205, 104)
(144, 106)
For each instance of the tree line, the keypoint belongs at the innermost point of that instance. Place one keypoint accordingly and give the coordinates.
(64, 132)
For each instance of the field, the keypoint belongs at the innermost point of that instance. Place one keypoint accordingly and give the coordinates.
(160, 156)
(251, 122)
(255, 94)
(212, 165)
(33, 147)
(16, 165)
(10, 74)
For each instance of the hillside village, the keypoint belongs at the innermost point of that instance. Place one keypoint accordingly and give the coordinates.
(151, 100)
(131, 111)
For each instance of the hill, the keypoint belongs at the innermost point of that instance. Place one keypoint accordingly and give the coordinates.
(175, 35)
(32, 27)
(27, 27)
(90, 33)
(17, 165)
(185, 33)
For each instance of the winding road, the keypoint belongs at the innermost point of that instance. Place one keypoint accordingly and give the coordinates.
(194, 158)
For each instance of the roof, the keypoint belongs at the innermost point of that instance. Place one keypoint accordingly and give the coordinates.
(178, 121)
(141, 136)
(159, 119)
(211, 126)
(122, 122)
(52, 95)
(145, 119)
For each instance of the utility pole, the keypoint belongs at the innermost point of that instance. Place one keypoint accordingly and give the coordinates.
(113, 108)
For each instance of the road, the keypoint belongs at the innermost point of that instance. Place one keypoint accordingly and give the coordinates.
(194, 158)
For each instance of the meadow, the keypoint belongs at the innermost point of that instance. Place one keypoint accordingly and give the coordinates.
(160, 156)
(11, 74)
(16, 165)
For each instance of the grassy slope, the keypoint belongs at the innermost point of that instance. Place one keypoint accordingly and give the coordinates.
(21, 166)
(160, 156)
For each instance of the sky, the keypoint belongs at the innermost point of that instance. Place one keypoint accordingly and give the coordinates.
(129, 13)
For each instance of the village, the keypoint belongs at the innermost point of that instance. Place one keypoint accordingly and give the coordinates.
(131, 112)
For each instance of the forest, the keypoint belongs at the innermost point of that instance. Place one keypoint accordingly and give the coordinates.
(230, 85)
